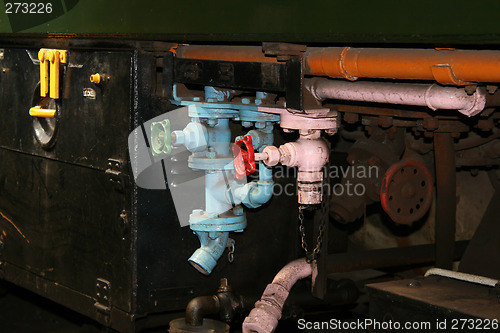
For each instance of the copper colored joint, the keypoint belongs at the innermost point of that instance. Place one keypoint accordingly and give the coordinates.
(342, 66)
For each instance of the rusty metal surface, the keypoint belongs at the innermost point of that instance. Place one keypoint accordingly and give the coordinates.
(406, 191)
(432, 297)
(446, 183)
(223, 53)
(483, 254)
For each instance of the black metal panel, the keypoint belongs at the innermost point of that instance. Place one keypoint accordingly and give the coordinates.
(91, 130)
(64, 224)
(231, 74)
(294, 83)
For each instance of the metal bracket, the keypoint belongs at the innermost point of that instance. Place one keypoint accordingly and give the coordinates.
(294, 84)
(293, 55)
(103, 296)
(283, 50)
(115, 173)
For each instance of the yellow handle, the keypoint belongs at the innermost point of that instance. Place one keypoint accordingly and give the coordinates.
(44, 74)
(39, 112)
(50, 57)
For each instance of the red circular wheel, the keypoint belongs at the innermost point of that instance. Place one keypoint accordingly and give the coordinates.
(406, 192)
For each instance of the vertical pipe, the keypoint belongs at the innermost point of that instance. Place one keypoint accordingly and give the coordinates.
(444, 159)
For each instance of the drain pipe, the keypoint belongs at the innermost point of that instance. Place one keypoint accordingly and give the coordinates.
(264, 317)
(433, 96)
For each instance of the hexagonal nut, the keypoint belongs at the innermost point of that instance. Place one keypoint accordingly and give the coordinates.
(211, 154)
(238, 210)
(273, 155)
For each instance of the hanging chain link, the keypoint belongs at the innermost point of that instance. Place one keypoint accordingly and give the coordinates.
(230, 250)
(314, 254)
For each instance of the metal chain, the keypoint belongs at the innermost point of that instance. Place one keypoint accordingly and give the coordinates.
(230, 249)
(314, 254)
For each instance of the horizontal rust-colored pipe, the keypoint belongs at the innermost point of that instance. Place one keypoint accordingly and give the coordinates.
(446, 66)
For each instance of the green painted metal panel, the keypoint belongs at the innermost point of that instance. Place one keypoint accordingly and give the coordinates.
(424, 21)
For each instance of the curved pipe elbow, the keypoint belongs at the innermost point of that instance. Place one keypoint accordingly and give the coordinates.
(259, 193)
(292, 272)
(267, 312)
(205, 258)
(198, 307)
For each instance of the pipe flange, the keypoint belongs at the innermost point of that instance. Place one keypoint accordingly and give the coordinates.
(273, 155)
(228, 221)
(478, 104)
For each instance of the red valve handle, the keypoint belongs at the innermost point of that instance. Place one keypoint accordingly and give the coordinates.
(244, 159)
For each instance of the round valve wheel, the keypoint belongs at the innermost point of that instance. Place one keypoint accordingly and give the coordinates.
(161, 138)
(243, 159)
(406, 192)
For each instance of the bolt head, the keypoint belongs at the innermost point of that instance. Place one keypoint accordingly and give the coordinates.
(331, 131)
(212, 122)
(238, 210)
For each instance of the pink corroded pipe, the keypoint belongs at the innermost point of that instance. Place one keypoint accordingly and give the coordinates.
(264, 317)
(433, 96)
(309, 153)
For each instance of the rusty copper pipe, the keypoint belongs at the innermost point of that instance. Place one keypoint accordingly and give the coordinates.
(446, 66)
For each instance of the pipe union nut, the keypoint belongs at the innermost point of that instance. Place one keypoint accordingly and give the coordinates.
(273, 155)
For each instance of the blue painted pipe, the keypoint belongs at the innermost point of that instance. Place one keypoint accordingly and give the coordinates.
(213, 245)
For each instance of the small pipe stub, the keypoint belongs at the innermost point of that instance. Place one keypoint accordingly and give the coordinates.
(95, 78)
